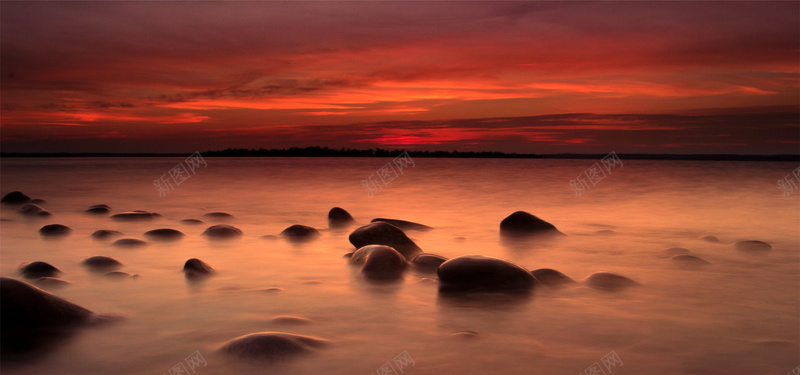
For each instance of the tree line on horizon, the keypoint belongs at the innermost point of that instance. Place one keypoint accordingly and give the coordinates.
(372, 152)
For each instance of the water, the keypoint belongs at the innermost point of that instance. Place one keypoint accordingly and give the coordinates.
(740, 315)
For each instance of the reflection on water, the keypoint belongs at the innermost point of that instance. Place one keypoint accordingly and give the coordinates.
(737, 315)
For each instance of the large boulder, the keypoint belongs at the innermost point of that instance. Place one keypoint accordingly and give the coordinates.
(385, 263)
(521, 223)
(299, 232)
(164, 234)
(383, 233)
(609, 282)
(481, 273)
(404, 225)
(54, 230)
(101, 263)
(35, 270)
(271, 346)
(222, 231)
(195, 268)
(15, 197)
(338, 217)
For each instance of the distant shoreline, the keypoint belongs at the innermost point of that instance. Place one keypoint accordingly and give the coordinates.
(327, 152)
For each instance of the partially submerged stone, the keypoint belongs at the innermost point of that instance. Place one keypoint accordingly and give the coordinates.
(609, 282)
(103, 234)
(551, 277)
(33, 210)
(98, 209)
(164, 234)
(405, 225)
(195, 268)
(54, 230)
(338, 217)
(35, 270)
(382, 233)
(136, 215)
(15, 197)
(300, 232)
(481, 273)
(753, 246)
(222, 231)
(272, 346)
(521, 223)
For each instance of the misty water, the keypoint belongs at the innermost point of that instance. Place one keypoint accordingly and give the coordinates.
(738, 315)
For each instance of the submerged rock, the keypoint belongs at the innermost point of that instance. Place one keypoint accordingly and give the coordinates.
(100, 262)
(708, 238)
(119, 275)
(35, 270)
(218, 216)
(752, 246)
(98, 209)
(383, 262)
(222, 231)
(290, 320)
(32, 209)
(427, 262)
(15, 197)
(192, 221)
(689, 260)
(271, 346)
(521, 223)
(551, 277)
(382, 233)
(51, 282)
(360, 256)
(129, 243)
(610, 282)
(31, 317)
(338, 217)
(672, 251)
(196, 268)
(299, 232)
(164, 234)
(405, 225)
(55, 230)
(481, 273)
(103, 234)
(137, 215)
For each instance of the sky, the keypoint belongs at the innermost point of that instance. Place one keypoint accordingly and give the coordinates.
(528, 77)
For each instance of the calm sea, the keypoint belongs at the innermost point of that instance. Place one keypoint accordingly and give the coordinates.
(739, 315)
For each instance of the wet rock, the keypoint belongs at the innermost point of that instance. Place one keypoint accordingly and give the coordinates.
(610, 282)
(466, 334)
(481, 273)
(218, 216)
(195, 268)
(672, 251)
(384, 263)
(271, 346)
(708, 238)
(51, 282)
(119, 275)
(290, 320)
(299, 232)
(35, 270)
(98, 209)
(222, 231)
(752, 246)
(100, 262)
(360, 256)
(551, 277)
(427, 262)
(605, 232)
(405, 225)
(164, 234)
(137, 215)
(689, 260)
(38, 201)
(129, 243)
(31, 317)
(338, 217)
(55, 230)
(521, 223)
(103, 234)
(32, 209)
(15, 197)
(192, 221)
(382, 233)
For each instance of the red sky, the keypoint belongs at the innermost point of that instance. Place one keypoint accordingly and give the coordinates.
(538, 77)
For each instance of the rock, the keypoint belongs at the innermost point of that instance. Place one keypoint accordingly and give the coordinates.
(521, 223)
(290, 320)
(708, 238)
(103, 234)
(35, 270)
(119, 275)
(218, 216)
(271, 346)
(100, 262)
(129, 243)
(32, 209)
(54, 230)
(465, 334)
(672, 251)
(689, 260)
(164, 234)
(135, 216)
(609, 282)
(338, 217)
(38, 201)
(752, 246)
(360, 256)
(51, 282)
(192, 221)
(222, 231)
(384, 263)
(551, 277)
(428, 262)
(382, 233)
(31, 317)
(480, 273)
(405, 225)
(299, 232)
(196, 268)
(98, 209)
(15, 197)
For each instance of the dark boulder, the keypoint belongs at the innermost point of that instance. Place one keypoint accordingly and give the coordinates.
(521, 223)
(98, 209)
(15, 197)
(338, 217)
(427, 262)
(271, 346)
(164, 234)
(196, 268)
(55, 230)
(32, 209)
(382, 233)
(222, 231)
(405, 225)
(135, 216)
(129, 243)
(609, 282)
(35, 270)
(299, 232)
(103, 234)
(100, 262)
(481, 273)
(384, 263)
(551, 277)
